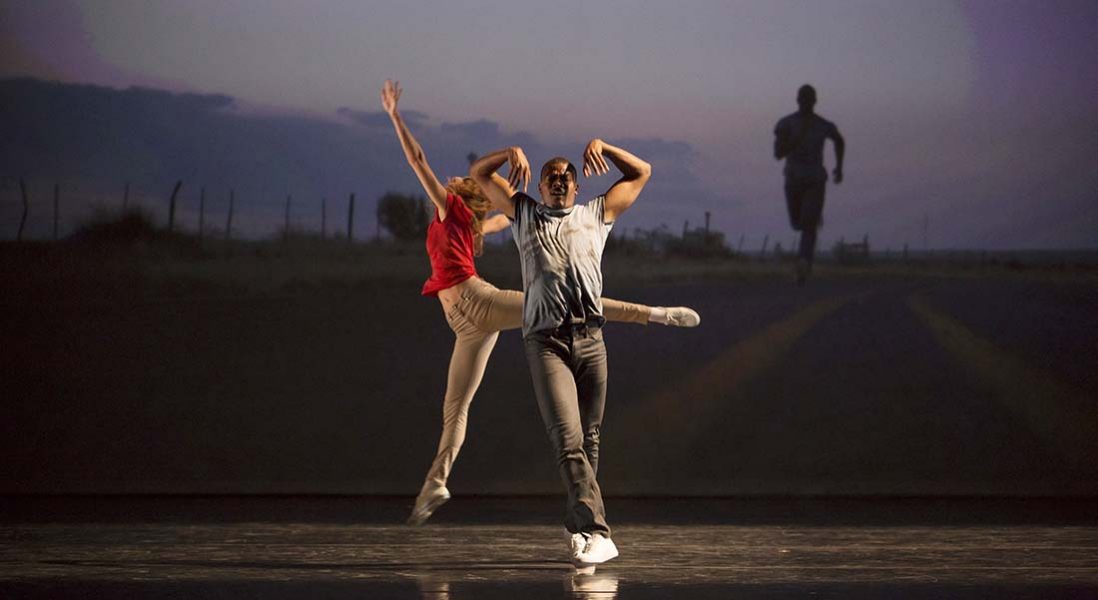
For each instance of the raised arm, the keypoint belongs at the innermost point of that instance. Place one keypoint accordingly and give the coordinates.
(497, 189)
(635, 174)
(390, 95)
(840, 151)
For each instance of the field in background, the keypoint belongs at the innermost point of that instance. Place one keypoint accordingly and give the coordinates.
(314, 366)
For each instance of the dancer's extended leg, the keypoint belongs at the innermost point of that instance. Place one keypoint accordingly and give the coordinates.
(628, 312)
(467, 364)
(625, 312)
(503, 311)
(472, 348)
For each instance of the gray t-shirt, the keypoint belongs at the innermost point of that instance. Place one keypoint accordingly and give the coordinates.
(805, 160)
(561, 253)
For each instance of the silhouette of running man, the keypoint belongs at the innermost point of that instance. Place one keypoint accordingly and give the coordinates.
(799, 139)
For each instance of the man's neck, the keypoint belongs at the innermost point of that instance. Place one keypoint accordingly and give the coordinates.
(563, 204)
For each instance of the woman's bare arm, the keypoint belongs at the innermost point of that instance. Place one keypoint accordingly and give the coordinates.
(390, 95)
(495, 224)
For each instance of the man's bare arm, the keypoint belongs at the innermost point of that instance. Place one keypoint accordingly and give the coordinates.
(635, 174)
(781, 143)
(496, 189)
(840, 152)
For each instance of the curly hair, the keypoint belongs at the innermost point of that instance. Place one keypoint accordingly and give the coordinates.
(478, 204)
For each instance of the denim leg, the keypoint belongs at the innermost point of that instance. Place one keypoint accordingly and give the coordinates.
(589, 365)
(551, 368)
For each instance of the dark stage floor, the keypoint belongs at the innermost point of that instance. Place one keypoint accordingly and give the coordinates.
(227, 547)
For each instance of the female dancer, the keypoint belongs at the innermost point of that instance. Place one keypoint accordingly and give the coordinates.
(474, 308)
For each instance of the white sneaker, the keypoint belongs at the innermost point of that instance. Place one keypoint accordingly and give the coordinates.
(578, 543)
(680, 316)
(426, 504)
(599, 550)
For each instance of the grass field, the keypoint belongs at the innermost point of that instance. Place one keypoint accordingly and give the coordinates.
(317, 367)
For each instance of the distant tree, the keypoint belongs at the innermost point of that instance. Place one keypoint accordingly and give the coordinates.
(405, 217)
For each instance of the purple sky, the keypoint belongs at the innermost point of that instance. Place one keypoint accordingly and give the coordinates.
(979, 115)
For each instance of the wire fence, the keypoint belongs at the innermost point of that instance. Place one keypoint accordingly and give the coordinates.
(41, 210)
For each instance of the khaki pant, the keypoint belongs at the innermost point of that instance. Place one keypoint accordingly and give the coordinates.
(477, 318)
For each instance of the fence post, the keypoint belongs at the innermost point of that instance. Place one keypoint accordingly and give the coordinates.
(201, 212)
(56, 210)
(229, 221)
(739, 247)
(766, 240)
(323, 218)
(351, 219)
(26, 205)
(171, 205)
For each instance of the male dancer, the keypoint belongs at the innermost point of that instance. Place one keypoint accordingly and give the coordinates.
(799, 139)
(561, 243)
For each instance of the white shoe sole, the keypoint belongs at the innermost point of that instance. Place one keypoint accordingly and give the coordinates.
(584, 560)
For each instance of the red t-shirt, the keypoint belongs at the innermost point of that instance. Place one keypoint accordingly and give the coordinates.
(450, 247)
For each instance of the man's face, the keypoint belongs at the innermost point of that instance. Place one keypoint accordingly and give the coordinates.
(558, 187)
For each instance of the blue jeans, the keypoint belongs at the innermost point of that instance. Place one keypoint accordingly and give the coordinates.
(568, 367)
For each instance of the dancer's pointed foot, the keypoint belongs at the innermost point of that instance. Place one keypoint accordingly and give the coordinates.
(426, 503)
(675, 316)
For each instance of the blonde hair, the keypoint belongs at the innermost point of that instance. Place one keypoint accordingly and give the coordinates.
(478, 204)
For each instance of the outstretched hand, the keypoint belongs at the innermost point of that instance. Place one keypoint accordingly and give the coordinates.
(593, 163)
(390, 94)
(520, 169)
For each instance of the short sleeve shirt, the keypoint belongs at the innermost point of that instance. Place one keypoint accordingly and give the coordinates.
(805, 160)
(561, 257)
(450, 247)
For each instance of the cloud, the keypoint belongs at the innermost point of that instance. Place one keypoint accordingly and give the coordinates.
(479, 129)
(99, 138)
(379, 119)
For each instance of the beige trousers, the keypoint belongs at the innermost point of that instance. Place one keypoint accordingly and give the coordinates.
(477, 318)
